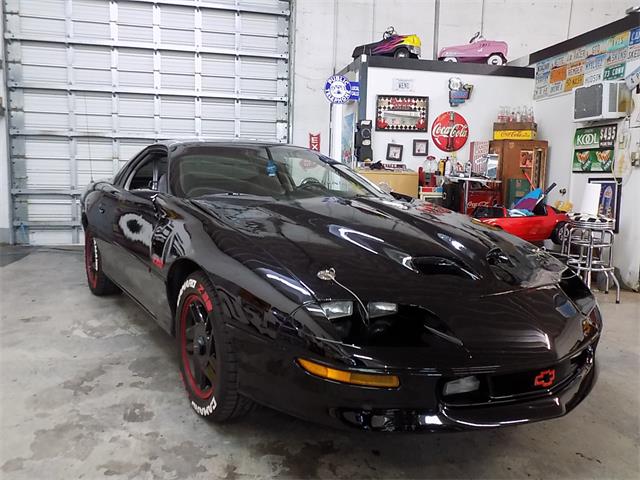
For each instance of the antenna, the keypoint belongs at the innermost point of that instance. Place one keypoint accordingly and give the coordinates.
(86, 122)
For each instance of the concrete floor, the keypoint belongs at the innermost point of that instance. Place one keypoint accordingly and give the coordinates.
(90, 388)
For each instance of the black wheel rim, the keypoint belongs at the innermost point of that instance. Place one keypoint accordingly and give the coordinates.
(198, 347)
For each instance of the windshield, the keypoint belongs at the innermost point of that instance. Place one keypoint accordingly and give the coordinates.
(275, 171)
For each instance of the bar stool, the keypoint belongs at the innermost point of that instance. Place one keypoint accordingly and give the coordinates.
(588, 247)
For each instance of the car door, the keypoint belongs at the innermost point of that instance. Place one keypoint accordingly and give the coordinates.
(136, 217)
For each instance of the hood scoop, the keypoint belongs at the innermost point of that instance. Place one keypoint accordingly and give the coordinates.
(435, 265)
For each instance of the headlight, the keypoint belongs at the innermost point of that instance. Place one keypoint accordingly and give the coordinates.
(462, 385)
(337, 309)
(380, 309)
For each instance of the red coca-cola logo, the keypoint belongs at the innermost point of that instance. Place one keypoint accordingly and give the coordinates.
(450, 131)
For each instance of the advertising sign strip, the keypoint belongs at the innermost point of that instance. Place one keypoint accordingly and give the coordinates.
(599, 61)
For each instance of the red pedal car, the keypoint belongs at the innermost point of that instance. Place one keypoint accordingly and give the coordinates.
(544, 221)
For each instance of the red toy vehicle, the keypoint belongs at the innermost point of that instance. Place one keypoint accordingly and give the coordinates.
(541, 223)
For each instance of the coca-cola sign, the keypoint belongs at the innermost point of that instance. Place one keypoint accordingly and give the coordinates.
(450, 131)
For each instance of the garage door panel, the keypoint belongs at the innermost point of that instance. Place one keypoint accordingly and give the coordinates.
(218, 128)
(218, 21)
(135, 105)
(92, 78)
(42, 27)
(135, 13)
(37, 76)
(254, 86)
(218, 40)
(127, 149)
(38, 53)
(42, 8)
(45, 111)
(219, 85)
(93, 82)
(259, 68)
(47, 173)
(217, 108)
(92, 168)
(91, 31)
(135, 33)
(259, 24)
(50, 208)
(258, 130)
(262, 111)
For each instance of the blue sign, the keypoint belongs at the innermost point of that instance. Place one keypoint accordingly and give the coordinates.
(634, 36)
(339, 89)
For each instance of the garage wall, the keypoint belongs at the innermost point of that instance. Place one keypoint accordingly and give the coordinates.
(93, 81)
(327, 30)
(479, 111)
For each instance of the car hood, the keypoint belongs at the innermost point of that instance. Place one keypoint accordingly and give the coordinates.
(385, 250)
(479, 292)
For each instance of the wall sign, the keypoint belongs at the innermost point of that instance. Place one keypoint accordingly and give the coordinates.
(593, 149)
(459, 92)
(402, 85)
(338, 89)
(314, 142)
(402, 113)
(450, 131)
(599, 61)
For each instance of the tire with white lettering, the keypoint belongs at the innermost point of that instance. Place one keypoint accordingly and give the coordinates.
(99, 283)
(207, 359)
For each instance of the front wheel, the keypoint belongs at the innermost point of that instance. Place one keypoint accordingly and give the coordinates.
(450, 59)
(560, 233)
(496, 59)
(207, 358)
(401, 53)
(99, 283)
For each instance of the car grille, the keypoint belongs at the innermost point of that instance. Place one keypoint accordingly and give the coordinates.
(526, 383)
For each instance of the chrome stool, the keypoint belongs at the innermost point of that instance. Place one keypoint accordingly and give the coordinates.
(587, 245)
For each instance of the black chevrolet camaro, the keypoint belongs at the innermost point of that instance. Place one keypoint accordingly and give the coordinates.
(291, 281)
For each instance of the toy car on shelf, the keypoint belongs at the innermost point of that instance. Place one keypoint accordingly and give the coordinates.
(478, 50)
(536, 223)
(391, 45)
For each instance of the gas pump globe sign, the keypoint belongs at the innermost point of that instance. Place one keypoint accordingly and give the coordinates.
(339, 89)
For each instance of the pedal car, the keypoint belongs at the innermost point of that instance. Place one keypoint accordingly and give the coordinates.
(391, 45)
(478, 50)
(530, 219)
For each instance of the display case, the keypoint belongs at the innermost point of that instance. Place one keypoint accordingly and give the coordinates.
(520, 160)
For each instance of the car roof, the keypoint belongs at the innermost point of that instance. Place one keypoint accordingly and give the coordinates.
(218, 143)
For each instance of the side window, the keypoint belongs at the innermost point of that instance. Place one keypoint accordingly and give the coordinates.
(142, 177)
(150, 174)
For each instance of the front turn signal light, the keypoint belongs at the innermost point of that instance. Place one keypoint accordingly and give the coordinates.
(353, 378)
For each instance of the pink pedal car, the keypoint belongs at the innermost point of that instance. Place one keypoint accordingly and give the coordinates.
(478, 50)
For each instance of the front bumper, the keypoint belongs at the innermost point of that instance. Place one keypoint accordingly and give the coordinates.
(552, 405)
(270, 376)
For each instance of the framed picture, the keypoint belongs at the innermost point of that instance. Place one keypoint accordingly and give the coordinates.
(402, 113)
(609, 199)
(526, 158)
(394, 152)
(420, 148)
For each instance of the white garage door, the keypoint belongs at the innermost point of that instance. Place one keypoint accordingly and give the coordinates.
(90, 82)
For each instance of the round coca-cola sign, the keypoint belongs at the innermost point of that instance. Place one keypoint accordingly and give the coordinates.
(450, 131)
